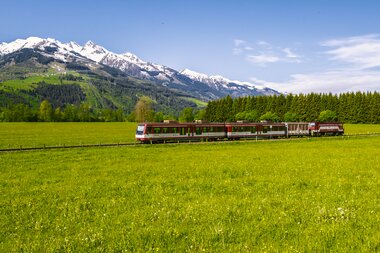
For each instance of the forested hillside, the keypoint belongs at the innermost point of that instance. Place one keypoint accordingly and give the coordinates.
(350, 107)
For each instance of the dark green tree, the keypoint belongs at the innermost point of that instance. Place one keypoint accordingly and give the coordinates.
(327, 116)
(187, 115)
(270, 116)
(291, 117)
(70, 114)
(84, 112)
(252, 116)
(241, 115)
(200, 114)
(159, 117)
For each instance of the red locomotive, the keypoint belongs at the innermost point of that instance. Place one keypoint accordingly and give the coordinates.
(325, 128)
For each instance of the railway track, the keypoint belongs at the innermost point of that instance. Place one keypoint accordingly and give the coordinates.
(45, 147)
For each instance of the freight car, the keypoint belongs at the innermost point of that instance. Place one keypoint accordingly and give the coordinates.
(198, 131)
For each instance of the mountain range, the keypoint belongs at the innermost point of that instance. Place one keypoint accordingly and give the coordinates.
(24, 59)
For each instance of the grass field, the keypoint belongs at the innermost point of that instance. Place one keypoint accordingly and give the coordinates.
(361, 128)
(14, 135)
(317, 195)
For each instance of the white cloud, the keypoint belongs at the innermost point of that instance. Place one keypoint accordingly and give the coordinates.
(289, 53)
(358, 56)
(264, 44)
(358, 59)
(334, 81)
(262, 83)
(240, 47)
(350, 40)
(239, 42)
(361, 52)
(329, 81)
(264, 53)
(263, 59)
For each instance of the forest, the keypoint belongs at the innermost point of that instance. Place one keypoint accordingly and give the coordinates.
(351, 107)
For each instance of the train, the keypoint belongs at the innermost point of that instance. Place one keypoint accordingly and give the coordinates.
(172, 131)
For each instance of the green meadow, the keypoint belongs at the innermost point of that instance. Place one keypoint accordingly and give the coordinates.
(14, 135)
(38, 134)
(305, 195)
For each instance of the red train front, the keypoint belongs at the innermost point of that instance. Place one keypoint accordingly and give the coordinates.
(325, 128)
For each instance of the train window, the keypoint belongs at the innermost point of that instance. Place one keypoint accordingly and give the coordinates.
(253, 129)
(183, 131)
(140, 130)
(265, 129)
(205, 130)
(157, 130)
(168, 130)
(198, 130)
(174, 130)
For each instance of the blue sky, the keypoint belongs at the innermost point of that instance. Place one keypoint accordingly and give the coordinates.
(293, 46)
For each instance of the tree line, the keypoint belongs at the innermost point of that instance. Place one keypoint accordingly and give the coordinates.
(352, 107)
(143, 112)
(70, 113)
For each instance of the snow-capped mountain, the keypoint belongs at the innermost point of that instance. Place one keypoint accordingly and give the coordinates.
(203, 86)
(219, 82)
(52, 47)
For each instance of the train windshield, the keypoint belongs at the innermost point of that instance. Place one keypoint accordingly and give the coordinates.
(140, 130)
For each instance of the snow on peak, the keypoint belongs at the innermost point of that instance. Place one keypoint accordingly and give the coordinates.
(193, 74)
(132, 58)
(89, 44)
(217, 80)
(74, 46)
(7, 48)
(203, 77)
(93, 51)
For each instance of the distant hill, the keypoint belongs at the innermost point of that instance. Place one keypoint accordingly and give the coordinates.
(35, 69)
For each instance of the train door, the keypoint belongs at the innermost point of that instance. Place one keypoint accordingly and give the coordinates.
(190, 131)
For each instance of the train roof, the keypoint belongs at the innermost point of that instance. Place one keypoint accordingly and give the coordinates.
(254, 123)
(176, 124)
